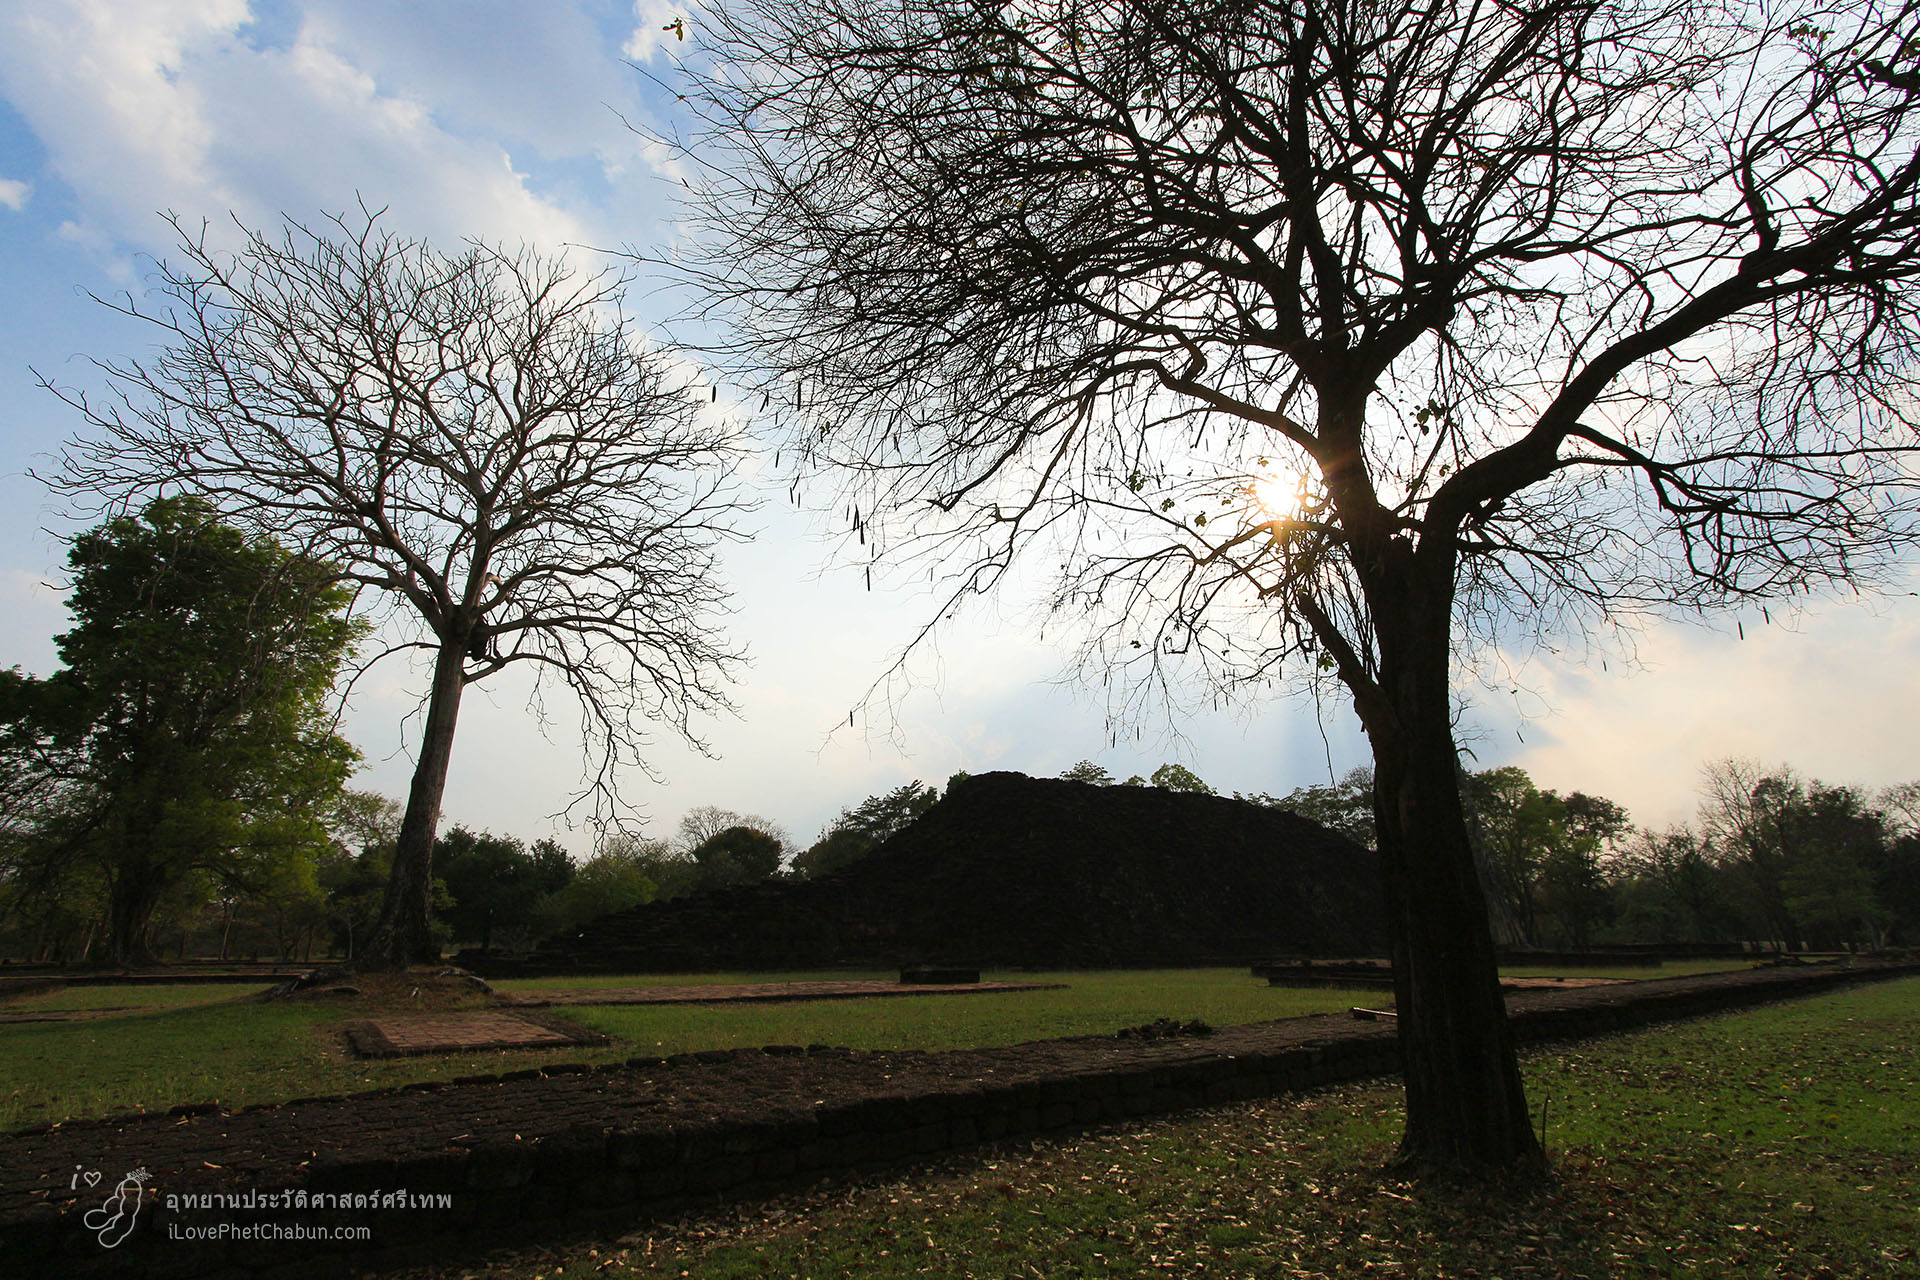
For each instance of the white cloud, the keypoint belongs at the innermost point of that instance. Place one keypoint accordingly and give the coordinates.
(1831, 695)
(156, 106)
(540, 75)
(14, 193)
(112, 91)
(662, 28)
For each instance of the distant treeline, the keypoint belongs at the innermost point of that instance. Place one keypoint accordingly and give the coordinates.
(1771, 859)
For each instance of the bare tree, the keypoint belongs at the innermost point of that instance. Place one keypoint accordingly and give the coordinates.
(1336, 338)
(1901, 803)
(481, 443)
(1746, 814)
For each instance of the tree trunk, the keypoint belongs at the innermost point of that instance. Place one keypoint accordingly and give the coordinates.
(132, 900)
(403, 935)
(1465, 1105)
(1466, 1110)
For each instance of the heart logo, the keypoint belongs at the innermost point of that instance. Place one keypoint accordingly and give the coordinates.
(92, 1179)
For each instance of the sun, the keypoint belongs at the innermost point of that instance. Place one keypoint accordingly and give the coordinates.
(1278, 494)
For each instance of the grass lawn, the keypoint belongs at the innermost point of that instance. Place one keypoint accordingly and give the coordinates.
(142, 996)
(1091, 1003)
(1782, 1142)
(237, 1051)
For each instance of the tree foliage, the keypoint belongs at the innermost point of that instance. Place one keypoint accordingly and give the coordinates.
(477, 440)
(602, 885)
(496, 884)
(1345, 805)
(1088, 771)
(1575, 893)
(1172, 777)
(668, 864)
(861, 829)
(1541, 856)
(1803, 854)
(736, 855)
(183, 747)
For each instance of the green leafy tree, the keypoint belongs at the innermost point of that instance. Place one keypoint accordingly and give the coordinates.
(50, 908)
(1345, 806)
(1837, 841)
(1896, 888)
(1672, 888)
(836, 849)
(1177, 777)
(1541, 855)
(496, 883)
(861, 829)
(1171, 777)
(603, 884)
(714, 863)
(354, 884)
(354, 870)
(664, 862)
(186, 733)
(285, 895)
(1775, 857)
(50, 911)
(1088, 771)
(1896, 884)
(1747, 814)
(1512, 826)
(737, 855)
(1576, 889)
(703, 822)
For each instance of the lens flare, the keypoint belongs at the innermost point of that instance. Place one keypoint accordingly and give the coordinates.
(1278, 495)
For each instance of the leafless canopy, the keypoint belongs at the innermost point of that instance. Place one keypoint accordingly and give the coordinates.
(477, 437)
(1592, 306)
(1350, 331)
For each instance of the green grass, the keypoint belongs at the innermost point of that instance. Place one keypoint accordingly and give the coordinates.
(582, 981)
(1091, 1003)
(1780, 1142)
(130, 996)
(239, 1052)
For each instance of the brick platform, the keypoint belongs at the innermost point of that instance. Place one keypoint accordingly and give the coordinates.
(572, 1149)
(460, 1033)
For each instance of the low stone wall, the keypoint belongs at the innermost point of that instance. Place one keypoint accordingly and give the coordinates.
(22, 984)
(1588, 959)
(597, 1175)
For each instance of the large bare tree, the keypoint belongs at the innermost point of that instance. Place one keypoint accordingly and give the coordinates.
(478, 439)
(1337, 337)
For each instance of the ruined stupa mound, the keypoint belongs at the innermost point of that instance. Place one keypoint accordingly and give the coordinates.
(1011, 871)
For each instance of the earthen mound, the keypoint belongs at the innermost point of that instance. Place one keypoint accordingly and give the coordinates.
(1012, 871)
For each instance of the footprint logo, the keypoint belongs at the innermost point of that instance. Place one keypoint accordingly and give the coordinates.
(113, 1221)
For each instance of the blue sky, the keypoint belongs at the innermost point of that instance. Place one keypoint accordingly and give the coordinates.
(504, 121)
